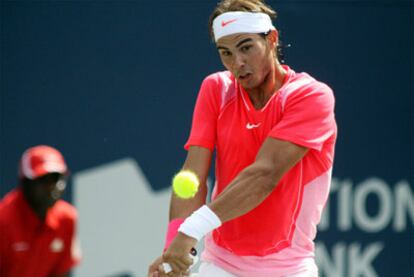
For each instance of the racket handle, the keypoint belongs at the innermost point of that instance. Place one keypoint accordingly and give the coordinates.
(193, 255)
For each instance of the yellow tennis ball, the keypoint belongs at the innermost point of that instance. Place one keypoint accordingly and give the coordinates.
(185, 184)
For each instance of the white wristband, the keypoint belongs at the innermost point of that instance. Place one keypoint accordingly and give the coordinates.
(200, 223)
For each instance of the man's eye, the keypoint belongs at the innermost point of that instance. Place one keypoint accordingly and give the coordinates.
(245, 48)
(225, 53)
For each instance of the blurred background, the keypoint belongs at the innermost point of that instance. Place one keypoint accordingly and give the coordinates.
(112, 85)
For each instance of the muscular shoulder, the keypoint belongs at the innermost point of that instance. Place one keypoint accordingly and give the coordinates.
(217, 78)
(302, 86)
(218, 81)
(219, 87)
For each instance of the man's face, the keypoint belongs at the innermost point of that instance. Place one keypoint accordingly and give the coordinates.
(248, 57)
(43, 192)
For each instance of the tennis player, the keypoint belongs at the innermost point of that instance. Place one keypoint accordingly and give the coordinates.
(274, 132)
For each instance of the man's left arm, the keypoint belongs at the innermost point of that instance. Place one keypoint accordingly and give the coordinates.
(258, 180)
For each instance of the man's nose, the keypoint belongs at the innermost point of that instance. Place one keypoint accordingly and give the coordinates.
(50, 186)
(239, 62)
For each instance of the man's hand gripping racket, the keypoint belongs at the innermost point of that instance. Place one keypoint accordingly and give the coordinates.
(193, 255)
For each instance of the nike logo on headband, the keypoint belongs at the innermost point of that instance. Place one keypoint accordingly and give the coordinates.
(225, 23)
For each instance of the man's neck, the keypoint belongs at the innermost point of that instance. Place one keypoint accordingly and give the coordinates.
(272, 83)
(41, 215)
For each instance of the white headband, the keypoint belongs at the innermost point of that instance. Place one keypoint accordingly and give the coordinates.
(241, 22)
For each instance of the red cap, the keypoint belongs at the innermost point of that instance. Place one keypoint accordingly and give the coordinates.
(40, 160)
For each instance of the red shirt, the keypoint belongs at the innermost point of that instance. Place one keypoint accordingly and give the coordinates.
(302, 112)
(32, 248)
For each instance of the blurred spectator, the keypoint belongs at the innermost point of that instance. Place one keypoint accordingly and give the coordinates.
(37, 228)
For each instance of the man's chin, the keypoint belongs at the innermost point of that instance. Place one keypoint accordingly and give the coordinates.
(247, 85)
(49, 204)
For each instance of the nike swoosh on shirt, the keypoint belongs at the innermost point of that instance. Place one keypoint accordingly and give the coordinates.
(225, 23)
(252, 126)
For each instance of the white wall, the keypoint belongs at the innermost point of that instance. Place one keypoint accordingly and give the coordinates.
(122, 222)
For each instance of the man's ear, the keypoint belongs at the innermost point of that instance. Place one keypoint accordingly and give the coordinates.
(273, 38)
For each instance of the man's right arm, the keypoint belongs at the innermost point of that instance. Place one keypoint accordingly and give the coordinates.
(198, 161)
